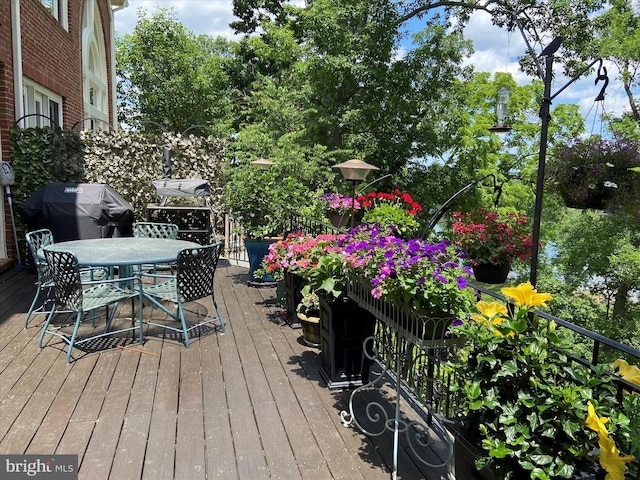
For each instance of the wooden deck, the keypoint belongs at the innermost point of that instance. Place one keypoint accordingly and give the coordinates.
(246, 404)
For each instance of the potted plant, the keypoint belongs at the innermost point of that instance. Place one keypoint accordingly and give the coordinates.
(393, 208)
(262, 201)
(527, 407)
(426, 278)
(308, 311)
(493, 239)
(339, 207)
(594, 173)
(282, 262)
(343, 324)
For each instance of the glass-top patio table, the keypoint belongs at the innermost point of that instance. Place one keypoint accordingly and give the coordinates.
(124, 252)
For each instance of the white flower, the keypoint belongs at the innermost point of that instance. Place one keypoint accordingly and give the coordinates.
(610, 164)
(609, 184)
(592, 186)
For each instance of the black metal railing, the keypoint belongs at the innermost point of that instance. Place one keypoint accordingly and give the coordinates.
(403, 335)
(298, 223)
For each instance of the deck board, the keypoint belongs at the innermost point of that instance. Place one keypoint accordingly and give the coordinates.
(245, 404)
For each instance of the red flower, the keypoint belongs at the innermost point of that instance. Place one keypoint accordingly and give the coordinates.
(396, 197)
(492, 236)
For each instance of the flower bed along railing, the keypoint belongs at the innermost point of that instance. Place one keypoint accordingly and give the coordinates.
(402, 335)
(602, 351)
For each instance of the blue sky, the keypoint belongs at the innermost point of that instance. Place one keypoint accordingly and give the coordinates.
(495, 49)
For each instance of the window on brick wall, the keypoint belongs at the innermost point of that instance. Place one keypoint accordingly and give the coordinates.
(42, 107)
(58, 8)
(94, 69)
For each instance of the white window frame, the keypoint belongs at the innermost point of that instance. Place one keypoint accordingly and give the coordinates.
(95, 84)
(39, 100)
(59, 10)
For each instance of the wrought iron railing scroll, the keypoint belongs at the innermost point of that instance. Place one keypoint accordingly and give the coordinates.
(410, 349)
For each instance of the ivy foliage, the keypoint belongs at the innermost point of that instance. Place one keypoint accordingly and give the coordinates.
(44, 155)
(131, 161)
(127, 161)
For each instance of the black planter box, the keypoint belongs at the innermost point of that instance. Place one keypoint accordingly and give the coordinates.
(466, 452)
(293, 293)
(343, 329)
(465, 457)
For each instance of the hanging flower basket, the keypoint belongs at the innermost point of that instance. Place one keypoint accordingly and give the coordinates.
(491, 273)
(595, 199)
(595, 173)
(339, 219)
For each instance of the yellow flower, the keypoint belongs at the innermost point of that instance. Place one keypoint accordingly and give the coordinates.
(611, 460)
(596, 423)
(610, 457)
(630, 373)
(493, 311)
(525, 295)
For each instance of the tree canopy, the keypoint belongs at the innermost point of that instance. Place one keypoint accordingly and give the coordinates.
(311, 86)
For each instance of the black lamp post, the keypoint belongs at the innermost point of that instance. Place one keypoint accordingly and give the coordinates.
(545, 117)
(354, 171)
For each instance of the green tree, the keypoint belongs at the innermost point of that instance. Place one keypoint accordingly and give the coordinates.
(599, 252)
(168, 76)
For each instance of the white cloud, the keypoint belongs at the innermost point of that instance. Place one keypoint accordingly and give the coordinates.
(210, 17)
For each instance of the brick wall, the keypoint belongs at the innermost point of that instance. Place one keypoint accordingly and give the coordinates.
(52, 57)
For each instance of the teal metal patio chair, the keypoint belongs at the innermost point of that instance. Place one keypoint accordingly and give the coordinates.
(156, 230)
(193, 280)
(44, 284)
(74, 296)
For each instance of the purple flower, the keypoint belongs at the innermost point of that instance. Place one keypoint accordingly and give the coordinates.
(440, 277)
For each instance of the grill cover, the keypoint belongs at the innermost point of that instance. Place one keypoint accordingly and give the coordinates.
(76, 211)
(185, 187)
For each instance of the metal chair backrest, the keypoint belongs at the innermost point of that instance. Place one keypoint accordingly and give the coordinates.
(155, 230)
(196, 268)
(35, 241)
(66, 277)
